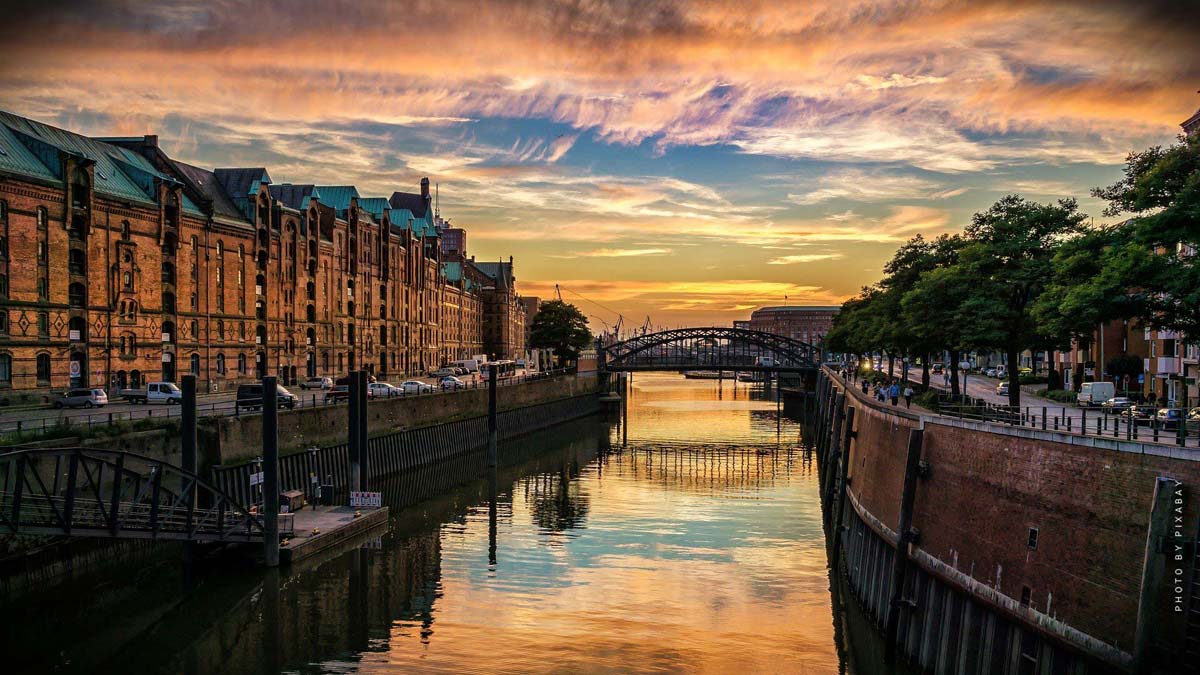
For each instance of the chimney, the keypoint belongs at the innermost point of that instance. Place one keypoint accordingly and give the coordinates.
(425, 189)
(150, 140)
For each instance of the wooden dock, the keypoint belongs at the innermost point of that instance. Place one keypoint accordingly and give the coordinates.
(325, 527)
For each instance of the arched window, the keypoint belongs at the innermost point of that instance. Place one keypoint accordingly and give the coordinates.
(194, 329)
(168, 303)
(43, 320)
(195, 364)
(5, 369)
(135, 379)
(220, 330)
(221, 364)
(220, 250)
(168, 331)
(77, 329)
(3, 321)
(3, 210)
(43, 368)
(43, 217)
(77, 295)
(168, 273)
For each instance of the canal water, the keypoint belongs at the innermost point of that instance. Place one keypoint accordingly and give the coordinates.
(685, 538)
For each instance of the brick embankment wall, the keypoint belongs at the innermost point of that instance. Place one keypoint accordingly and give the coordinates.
(979, 581)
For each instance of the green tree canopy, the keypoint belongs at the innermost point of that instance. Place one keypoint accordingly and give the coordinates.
(1009, 260)
(560, 326)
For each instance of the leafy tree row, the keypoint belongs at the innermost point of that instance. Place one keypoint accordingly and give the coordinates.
(1025, 275)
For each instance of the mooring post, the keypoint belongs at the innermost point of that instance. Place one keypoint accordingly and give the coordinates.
(353, 441)
(188, 464)
(1153, 568)
(492, 432)
(364, 441)
(836, 447)
(839, 488)
(900, 562)
(270, 427)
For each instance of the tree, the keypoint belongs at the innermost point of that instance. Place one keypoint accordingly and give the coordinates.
(1009, 261)
(1125, 366)
(1152, 268)
(933, 307)
(560, 326)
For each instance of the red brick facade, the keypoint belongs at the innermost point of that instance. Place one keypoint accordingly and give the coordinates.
(220, 273)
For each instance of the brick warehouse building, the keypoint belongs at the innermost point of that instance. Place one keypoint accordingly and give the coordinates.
(174, 269)
(804, 323)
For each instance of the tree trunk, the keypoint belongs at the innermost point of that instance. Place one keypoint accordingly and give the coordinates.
(904, 371)
(891, 373)
(1014, 380)
(925, 372)
(953, 374)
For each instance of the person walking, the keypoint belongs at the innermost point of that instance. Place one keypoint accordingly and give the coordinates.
(894, 393)
(864, 386)
(908, 394)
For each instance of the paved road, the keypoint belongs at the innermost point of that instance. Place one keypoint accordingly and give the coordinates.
(207, 405)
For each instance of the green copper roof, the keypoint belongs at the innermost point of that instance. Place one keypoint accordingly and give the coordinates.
(338, 196)
(374, 206)
(452, 271)
(34, 150)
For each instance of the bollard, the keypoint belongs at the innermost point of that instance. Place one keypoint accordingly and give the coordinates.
(492, 433)
(1043, 418)
(364, 464)
(353, 444)
(270, 485)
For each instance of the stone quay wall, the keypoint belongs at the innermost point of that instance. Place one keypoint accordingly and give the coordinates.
(1010, 544)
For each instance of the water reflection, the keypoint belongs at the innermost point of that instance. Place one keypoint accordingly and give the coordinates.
(695, 545)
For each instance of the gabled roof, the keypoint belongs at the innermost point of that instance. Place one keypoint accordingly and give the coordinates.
(338, 196)
(241, 183)
(408, 200)
(211, 187)
(1192, 124)
(34, 150)
(500, 272)
(295, 196)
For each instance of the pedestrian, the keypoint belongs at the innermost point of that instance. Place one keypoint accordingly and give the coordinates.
(908, 394)
(864, 386)
(894, 393)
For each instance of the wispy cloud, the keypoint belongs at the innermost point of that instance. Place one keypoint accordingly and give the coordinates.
(804, 258)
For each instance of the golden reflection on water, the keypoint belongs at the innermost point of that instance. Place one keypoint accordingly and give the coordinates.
(697, 547)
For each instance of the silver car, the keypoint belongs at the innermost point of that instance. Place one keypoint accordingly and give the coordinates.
(82, 398)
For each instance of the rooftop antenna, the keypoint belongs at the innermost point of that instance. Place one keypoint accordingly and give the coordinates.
(437, 203)
(557, 293)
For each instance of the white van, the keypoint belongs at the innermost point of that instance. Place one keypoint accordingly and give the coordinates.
(1092, 394)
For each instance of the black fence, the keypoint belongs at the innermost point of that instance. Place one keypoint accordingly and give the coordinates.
(68, 420)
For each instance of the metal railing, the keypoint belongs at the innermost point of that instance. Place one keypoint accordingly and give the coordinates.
(37, 427)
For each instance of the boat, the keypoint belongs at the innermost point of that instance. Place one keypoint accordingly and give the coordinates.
(707, 375)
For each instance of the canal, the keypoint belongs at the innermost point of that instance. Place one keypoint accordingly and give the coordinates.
(689, 540)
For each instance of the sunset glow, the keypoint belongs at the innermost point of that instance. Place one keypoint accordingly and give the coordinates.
(684, 160)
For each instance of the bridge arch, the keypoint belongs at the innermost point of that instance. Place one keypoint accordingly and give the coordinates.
(710, 348)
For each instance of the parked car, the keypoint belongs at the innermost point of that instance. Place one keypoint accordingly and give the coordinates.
(990, 372)
(250, 397)
(937, 368)
(155, 392)
(1024, 371)
(383, 390)
(1002, 389)
(416, 387)
(1140, 414)
(339, 392)
(1194, 414)
(451, 382)
(1168, 418)
(317, 383)
(1001, 372)
(82, 398)
(444, 371)
(1116, 404)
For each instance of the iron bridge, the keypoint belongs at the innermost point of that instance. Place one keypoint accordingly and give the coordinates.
(710, 348)
(86, 492)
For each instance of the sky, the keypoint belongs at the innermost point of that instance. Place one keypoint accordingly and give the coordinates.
(681, 161)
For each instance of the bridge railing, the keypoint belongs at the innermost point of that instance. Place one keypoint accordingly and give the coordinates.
(104, 493)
